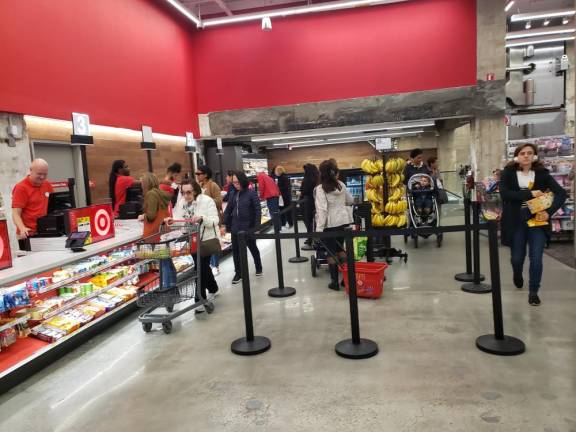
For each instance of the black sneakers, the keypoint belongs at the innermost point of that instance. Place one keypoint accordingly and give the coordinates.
(237, 279)
(534, 300)
(518, 281)
(258, 272)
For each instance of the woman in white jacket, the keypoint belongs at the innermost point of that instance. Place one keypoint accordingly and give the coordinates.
(333, 213)
(200, 209)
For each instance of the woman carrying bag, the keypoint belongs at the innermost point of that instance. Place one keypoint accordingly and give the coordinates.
(201, 209)
(523, 179)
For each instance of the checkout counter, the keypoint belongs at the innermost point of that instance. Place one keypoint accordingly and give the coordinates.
(31, 281)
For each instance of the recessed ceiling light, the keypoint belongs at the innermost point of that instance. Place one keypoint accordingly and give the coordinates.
(550, 14)
(508, 6)
(546, 22)
(528, 25)
(565, 21)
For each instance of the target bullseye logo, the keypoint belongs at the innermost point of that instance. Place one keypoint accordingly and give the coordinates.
(1, 247)
(102, 222)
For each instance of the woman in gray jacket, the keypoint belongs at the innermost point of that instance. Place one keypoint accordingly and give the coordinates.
(333, 213)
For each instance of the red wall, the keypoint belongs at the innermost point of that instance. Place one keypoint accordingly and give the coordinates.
(404, 47)
(124, 62)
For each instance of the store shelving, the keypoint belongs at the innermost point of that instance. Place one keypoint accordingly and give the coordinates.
(14, 322)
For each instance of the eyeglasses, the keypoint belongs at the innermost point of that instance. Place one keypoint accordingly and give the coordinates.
(199, 173)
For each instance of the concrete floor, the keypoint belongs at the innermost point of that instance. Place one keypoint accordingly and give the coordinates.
(428, 376)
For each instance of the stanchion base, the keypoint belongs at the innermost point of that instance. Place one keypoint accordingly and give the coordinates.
(245, 347)
(298, 259)
(508, 346)
(281, 292)
(476, 288)
(467, 277)
(307, 247)
(348, 349)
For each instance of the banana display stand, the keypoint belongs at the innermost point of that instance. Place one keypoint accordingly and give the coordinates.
(386, 192)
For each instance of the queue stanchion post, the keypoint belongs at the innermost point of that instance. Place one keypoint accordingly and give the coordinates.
(298, 258)
(355, 348)
(468, 275)
(497, 343)
(250, 344)
(280, 291)
(476, 286)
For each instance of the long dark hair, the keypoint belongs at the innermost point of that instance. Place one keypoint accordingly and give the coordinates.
(242, 179)
(117, 165)
(536, 165)
(311, 175)
(329, 176)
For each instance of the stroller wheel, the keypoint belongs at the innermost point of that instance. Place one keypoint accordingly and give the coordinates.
(147, 327)
(313, 266)
(167, 327)
(170, 309)
(416, 241)
(405, 239)
(439, 241)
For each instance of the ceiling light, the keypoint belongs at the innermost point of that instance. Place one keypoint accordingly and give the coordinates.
(266, 24)
(565, 21)
(539, 41)
(536, 32)
(296, 11)
(508, 6)
(299, 142)
(185, 12)
(550, 14)
(320, 132)
(546, 22)
(528, 25)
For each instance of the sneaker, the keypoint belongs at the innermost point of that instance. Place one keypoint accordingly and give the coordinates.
(212, 296)
(199, 309)
(259, 272)
(518, 282)
(534, 300)
(237, 279)
(215, 271)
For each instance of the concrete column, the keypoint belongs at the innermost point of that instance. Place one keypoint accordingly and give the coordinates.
(14, 164)
(488, 131)
(453, 152)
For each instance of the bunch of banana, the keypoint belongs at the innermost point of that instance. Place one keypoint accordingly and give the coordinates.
(378, 220)
(396, 207)
(377, 181)
(396, 193)
(395, 165)
(371, 167)
(393, 220)
(394, 179)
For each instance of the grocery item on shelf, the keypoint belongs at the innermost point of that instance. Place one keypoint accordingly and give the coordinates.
(13, 297)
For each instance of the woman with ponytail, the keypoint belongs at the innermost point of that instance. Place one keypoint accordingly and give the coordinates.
(523, 179)
(333, 213)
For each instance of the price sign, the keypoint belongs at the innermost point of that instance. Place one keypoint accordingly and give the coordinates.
(383, 144)
(219, 145)
(190, 143)
(97, 219)
(81, 124)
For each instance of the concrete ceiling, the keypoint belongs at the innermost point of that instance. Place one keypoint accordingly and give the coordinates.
(532, 6)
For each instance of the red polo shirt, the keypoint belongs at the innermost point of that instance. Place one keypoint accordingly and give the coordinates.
(32, 199)
(122, 183)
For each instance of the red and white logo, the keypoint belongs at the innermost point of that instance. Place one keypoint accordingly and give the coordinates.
(102, 222)
(1, 247)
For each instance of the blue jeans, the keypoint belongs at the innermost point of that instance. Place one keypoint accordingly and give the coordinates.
(215, 260)
(167, 273)
(535, 238)
(273, 206)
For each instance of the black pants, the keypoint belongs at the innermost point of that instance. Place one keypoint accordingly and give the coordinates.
(207, 281)
(309, 220)
(251, 243)
(286, 217)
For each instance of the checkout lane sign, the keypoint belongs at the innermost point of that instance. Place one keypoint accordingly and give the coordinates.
(97, 219)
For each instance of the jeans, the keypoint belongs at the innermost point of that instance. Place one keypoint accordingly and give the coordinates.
(215, 260)
(207, 281)
(535, 238)
(273, 206)
(167, 274)
(423, 201)
(251, 243)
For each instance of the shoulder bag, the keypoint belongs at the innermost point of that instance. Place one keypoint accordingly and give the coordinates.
(210, 247)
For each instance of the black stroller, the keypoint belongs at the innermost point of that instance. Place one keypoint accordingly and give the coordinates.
(423, 209)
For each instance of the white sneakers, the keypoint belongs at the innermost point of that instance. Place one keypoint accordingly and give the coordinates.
(215, 271)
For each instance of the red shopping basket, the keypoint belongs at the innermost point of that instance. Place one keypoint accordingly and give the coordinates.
(369, 278)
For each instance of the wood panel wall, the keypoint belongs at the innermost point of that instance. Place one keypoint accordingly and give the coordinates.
(111, 144)
(348, 155)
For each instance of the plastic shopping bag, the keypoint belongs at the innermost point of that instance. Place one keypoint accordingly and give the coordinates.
(360, 247)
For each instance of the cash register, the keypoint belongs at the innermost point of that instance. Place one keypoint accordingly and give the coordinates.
(52, 225)
(133, 205)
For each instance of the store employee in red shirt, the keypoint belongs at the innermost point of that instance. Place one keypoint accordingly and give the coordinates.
(30, 199)
(119, 181)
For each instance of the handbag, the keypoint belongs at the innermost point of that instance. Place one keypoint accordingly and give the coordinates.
(210, 247)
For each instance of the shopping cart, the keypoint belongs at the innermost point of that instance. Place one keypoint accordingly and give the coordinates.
(179, 239)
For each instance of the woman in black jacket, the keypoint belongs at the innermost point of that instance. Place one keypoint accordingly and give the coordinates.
(309, 183)
(523, 179)
(285, 192)
(243, 212)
